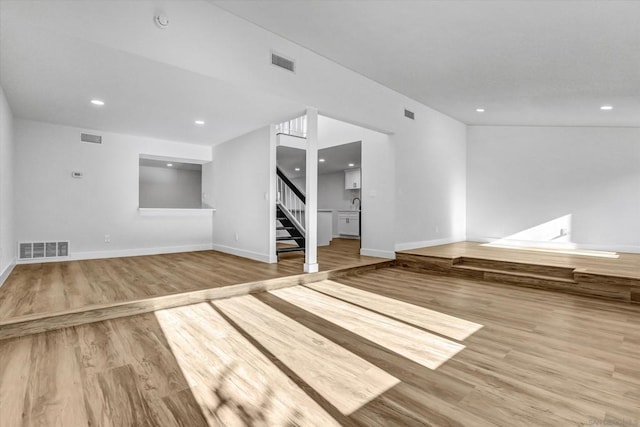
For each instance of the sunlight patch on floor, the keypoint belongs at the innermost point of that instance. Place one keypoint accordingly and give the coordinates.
(443, 324)
(553, 236)
(232, 381)
(527, 247)
(344, 379)
(422, 347)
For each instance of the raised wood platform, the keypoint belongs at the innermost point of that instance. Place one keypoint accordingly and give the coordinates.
(42, 322)
(609, 275)
(48, 296)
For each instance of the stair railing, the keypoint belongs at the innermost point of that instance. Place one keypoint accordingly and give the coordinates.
(294, 127)
(291, 197)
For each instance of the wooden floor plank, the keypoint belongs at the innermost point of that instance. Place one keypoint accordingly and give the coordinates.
(55, 287)
(540, 358)
(344, 379)
(231, 380)
(441, 323)
(620, 263)
(422, 347)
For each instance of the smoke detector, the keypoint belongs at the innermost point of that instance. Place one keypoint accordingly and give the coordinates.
(161, 20)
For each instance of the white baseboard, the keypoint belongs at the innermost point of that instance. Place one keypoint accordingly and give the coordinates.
(557, 245)
(77, 256)
(426, 243)
(6, 272)
(377, 253)
(242, 252)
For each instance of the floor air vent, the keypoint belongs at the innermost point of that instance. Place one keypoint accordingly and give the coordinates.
(282, 62)
(36, 250)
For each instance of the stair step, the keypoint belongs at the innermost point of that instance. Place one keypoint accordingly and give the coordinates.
(509, 267)
(289, 238)
(514, 273)
(292, 249)
(285, 228)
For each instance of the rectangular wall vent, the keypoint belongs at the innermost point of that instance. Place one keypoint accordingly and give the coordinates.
(409, 114)
(94, 139)
(282, 62)
(35, 250)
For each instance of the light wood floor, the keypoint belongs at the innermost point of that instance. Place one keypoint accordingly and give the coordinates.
(55, 287)
(384, 348)
(622, 264)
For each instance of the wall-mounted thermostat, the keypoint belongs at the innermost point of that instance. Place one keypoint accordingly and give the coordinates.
(76, 174)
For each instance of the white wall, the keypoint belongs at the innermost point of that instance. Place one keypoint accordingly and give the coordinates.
(54, 206)
(333, 132)
(162, 187)
(429, 152)
(241, 195)
(430, 202)
(378, 195)
(522, 177)
(7, 143)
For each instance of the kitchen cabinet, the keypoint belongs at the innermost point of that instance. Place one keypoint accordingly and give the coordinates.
(349, 223)
(352, 179)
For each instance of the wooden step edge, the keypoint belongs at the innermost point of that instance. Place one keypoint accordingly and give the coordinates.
(503, 261)
(37, 323)
(605, 274)
(515, 274)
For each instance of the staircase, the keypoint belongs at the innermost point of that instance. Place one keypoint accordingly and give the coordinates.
(290, 210)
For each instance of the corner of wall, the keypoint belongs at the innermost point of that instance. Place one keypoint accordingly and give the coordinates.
(7, 271)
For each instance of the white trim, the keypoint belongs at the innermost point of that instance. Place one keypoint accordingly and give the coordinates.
(426, 243)
(174, 212)
(311, 267)
(120, 253)
(241, 252)
(175, 159)
(558, 245)
(377, 253)
(7, 271)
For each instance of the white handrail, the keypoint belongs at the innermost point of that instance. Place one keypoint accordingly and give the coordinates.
(290, 200)
(295, 127)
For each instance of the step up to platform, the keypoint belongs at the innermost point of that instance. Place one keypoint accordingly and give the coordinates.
(515, 267)
(43, 322)
(291, 249)
(550, 277)
(289, 238)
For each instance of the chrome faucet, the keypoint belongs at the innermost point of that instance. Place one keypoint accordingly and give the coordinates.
(353, 202)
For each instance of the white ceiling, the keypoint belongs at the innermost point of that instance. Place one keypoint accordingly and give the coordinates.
(525, 62)
(51, 77)
(337, 159)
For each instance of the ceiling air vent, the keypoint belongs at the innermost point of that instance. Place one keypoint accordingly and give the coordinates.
(94, 139)
(282, 62)
(409, 114)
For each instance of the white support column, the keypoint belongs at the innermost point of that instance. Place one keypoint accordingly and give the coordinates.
(311, 205)
(272, 196)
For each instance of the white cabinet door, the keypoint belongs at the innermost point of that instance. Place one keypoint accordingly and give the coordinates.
(352, 179)
(348, 224)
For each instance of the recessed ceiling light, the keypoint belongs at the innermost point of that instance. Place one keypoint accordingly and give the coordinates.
(480, 110)
(351, 165)
(297, 169)
(321, 160)
(169, 164)
(97, 102)
(606, 107)
(199, 122)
